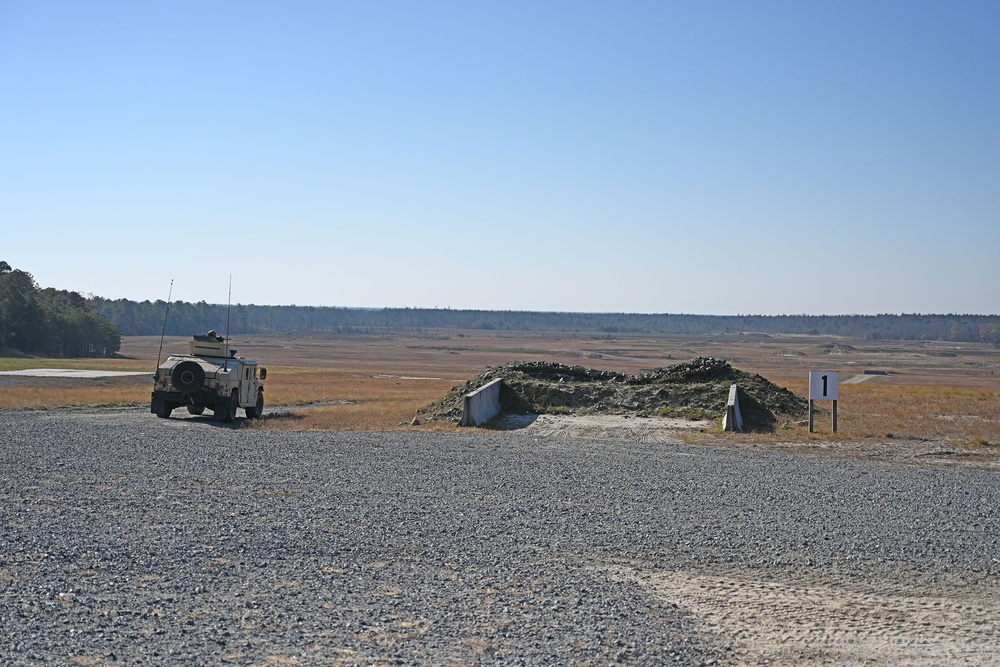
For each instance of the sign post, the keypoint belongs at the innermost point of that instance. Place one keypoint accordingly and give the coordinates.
(823, 386)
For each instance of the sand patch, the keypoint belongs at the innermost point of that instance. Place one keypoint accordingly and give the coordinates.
(793, 623)
(604, 427)
(72, 373)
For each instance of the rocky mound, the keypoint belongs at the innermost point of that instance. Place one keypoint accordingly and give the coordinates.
(698, 390)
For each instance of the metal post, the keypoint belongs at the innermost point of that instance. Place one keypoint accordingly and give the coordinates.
(835, 416)
(810, 415)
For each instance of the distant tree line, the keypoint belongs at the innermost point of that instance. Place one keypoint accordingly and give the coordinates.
(147, 318)
(51, 322)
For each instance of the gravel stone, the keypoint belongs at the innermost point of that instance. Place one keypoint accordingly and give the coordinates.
(131, 540)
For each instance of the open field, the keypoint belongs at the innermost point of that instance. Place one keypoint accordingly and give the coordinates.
(932, 389)
(132, 539)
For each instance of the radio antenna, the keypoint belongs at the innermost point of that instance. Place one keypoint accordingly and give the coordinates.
(229, 307)
(170, 293)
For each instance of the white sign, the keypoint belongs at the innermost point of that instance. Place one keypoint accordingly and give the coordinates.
(823, 385)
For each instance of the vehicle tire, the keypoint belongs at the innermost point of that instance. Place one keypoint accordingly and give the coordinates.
(187, 377)
(257, 409)
(196, 409)
(225, 409)
(161, 409)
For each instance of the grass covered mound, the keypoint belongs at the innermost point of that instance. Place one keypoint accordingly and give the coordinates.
(697, 389)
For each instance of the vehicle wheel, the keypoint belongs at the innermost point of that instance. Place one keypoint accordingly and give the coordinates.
(187, 377)
(196, 409)
(257, 409)
(225, 410)
(161, 409)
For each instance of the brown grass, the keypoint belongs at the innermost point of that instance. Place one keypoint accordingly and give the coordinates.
(47, 393)
(45, 398)
(934, 390)
(346, 400)
(887, 412)
(929, 412)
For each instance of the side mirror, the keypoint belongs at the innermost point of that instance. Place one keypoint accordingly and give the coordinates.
(263, 374)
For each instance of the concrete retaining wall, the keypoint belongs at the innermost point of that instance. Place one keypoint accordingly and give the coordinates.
(482, 405)
(733, 419)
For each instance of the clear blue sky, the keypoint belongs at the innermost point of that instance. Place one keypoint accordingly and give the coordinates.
(697, 157)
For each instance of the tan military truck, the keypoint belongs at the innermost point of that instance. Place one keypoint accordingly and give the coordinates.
(212, 377)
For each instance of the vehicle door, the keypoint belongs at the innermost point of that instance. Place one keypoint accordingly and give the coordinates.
(246, 385)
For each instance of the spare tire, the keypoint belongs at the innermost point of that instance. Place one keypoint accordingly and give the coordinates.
(187, 377)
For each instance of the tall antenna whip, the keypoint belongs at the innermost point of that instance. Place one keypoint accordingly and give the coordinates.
(229, 307)
(164, 329)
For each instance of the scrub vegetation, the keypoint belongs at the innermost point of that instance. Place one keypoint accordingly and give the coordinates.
(145, 318)
(929, 390)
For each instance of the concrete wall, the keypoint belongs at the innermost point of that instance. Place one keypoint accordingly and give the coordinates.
(482, 405)
(733, 419)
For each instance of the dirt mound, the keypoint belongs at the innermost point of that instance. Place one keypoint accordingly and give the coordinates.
(836, 348)
(697, 389)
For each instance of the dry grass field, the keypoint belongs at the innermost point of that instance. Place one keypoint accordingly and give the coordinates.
(932, 390)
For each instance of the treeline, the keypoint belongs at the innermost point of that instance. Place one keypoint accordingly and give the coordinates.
(51, 322)
(147, 318)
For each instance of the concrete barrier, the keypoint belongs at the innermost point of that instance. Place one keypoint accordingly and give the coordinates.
(482, 405)
(733, 419)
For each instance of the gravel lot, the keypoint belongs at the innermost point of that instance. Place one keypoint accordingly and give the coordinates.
(130, 540)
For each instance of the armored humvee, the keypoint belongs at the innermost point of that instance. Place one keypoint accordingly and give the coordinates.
(212, 377)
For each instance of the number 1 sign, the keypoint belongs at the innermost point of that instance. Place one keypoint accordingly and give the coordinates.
(823, 386)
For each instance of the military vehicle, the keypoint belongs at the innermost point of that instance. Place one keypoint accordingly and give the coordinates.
(211, 377)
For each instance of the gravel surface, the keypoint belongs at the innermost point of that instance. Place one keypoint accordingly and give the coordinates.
(129, 540)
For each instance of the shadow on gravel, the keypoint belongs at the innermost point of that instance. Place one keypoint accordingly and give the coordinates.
(509, 422)
(240, 422)
(209, 420)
